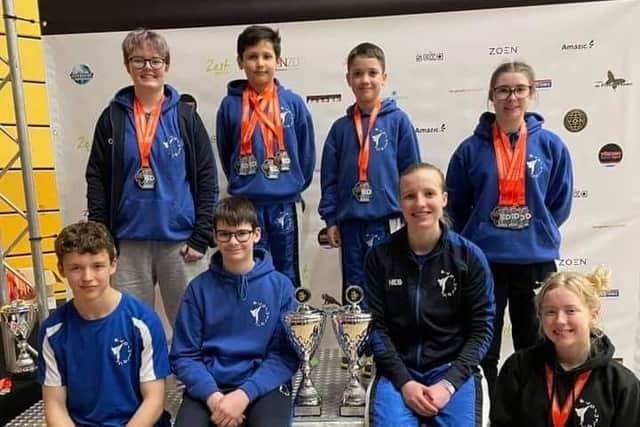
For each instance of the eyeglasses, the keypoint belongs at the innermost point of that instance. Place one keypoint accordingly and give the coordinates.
(241, 235)
(138, 62)
(501, 93)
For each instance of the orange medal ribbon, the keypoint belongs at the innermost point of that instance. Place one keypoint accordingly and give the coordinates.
(146, 129)
(363, 140)
(510, 165)
(270, 122)
(560, 416)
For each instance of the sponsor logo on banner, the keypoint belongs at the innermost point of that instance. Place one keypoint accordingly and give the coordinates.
(286, 63)
(503, 50)
(603, 226)
(81, 74)
(612, 81)
(543, 84)
(83, 143)
(610, 154)
(433, 129)
(218, 67)
(578, 46)
(580, 193)
(575, 120)
(572, 261)
(610, 293)
(466, 90)
(430, 56)
(323, 99)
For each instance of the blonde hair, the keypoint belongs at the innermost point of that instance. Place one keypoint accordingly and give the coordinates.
(587, 287)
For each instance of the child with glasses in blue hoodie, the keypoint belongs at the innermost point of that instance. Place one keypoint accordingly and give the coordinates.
(230, 347)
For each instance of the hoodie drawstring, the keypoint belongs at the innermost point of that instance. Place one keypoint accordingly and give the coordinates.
(244, 285)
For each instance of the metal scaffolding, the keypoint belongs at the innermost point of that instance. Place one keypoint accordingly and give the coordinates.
(14, 76)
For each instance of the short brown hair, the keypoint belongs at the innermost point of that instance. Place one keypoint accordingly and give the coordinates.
(141, 36)
(368, 50)
(235, 211)
(85, 237)
(254, 34)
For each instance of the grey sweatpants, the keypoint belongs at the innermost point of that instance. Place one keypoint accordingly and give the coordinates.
(142, 264)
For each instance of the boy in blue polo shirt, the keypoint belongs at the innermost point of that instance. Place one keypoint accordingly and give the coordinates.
(266, 145)
(103, 355)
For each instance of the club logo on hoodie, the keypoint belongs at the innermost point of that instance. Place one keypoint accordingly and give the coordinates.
(586, 413)
(447, 283)
(286, 117)
(535, 166)
(260, 313)
(173, 146)
(380, 139)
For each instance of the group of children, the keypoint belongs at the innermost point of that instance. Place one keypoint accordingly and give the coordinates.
(104, 354)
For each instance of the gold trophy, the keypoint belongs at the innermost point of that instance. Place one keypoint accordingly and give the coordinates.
(305, 327)
(19, 317)
(352, 327)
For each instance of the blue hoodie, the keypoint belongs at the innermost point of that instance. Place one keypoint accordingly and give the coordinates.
(393, 147)
(298, 141)
(472, 184)
(167, 212)
(229, 331)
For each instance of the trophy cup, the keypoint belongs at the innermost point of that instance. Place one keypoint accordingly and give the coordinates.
(352, 326)
(19, 318)
(305, 327)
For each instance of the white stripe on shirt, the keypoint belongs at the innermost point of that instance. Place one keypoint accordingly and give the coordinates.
(147, 372)
(52, 373)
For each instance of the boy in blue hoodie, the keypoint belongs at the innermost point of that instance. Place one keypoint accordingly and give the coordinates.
(151, 178)
(266, 145)
(230, 347)
(362, 159)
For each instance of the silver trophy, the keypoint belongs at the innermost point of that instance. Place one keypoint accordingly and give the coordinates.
(352, 327)
(19, 317)
(305, 327)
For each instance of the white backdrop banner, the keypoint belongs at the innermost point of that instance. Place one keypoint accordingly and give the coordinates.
(587, 62)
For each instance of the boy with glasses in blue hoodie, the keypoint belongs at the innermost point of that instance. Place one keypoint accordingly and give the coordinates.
(230, 347)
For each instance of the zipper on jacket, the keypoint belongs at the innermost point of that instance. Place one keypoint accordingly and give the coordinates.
(419, 350)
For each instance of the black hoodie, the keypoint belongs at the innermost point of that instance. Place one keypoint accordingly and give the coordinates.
(610, 398)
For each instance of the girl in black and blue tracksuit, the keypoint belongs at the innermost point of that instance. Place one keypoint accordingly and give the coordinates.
(433, 309)
(520, 258)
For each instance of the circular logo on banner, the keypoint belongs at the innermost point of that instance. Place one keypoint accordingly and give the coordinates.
(610, 154)
(81, 74)
(575, 120)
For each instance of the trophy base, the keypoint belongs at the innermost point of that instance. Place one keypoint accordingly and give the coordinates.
(307, 411)
(351, 411)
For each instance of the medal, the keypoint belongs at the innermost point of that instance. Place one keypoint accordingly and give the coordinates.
(247, 165)
(511, 217)
(270, 169)
(145, 179)
(362, 192)
(283, 162)
(262, 110)
(145, 132)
